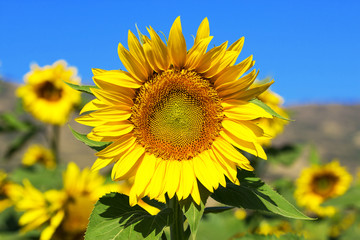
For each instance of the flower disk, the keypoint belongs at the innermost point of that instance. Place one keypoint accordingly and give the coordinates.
(177, 115)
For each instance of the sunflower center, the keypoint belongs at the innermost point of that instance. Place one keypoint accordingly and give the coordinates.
(177, 114)
(324, 184)
(47, 90)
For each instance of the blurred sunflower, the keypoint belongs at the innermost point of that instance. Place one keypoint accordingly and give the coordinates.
(45, 94)
(276, 228)
(271, 126)
(39, 154)
(61, 214)
(319, 183)
(5, 202)
(175, 116)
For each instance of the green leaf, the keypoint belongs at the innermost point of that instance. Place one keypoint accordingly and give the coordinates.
(255, 194)
(98, 146)
(267, 108)
(39, 176)
(11, 122)
(113, 218)
(83, 88)
(193, 214)
(217, 209)
(348, 199)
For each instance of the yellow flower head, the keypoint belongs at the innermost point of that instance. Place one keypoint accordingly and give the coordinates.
(277, 229)
(271, 126)
(175, 115)
(4, 200)
(319, 183)
(45, 94)
(62, 213)
(39, 154)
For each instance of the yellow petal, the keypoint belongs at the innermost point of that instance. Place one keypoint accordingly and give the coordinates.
(117, 148)
(236, 46)
(101, 163)
(241, 110)
(196, 53)
(222, 64)
(119, 78)
(112, 98)
(225, 150)
(232, 73)
(144, 174)
(172, 177)
(250, 147)
(203, 31)
(211, 58)
(112, 86)
(239, 85)
(113, 113)
(202, 173)
(157, 184)
(251, 93)
(242, 130)
(150, 55)
(96, 71)
(160, 50)
(227, 165)
(115, 129)
(131, 64)
(188, 177)
(130, 160)
(177, 44)
(138, 52)
(88, 120)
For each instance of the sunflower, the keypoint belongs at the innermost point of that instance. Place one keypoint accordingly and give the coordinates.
(5, 202)
(277, 228)
(271, 126)
(319, 183)
(175, 115)
(45, 94)
(39, 154)
(61, 214)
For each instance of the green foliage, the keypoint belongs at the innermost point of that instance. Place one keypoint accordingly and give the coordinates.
(114, 218)
(84, 88)
(314, 157)
(267, 108)
(39, 176)
(270, 237)
(23, 131)
(98, 146)
(193, 215)
(220, 226)
(217, 209)
(285, 155)
(349, 199)
(255, 194)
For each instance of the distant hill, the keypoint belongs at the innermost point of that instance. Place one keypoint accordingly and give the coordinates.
(333, 129)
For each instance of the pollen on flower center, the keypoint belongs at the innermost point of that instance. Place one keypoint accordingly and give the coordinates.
(47, 90)
(177, 114)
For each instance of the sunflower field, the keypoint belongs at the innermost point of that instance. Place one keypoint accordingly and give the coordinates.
(182, 143)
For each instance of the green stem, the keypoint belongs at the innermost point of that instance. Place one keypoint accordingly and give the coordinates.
(177, 227)
(55, 142)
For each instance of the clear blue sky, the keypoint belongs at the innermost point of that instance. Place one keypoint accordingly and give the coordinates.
(310, 48)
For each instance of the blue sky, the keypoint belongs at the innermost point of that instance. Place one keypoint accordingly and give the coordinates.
(310, 48)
